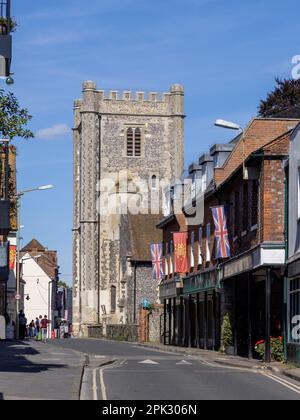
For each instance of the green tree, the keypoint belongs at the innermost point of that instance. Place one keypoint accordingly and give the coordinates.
(13, 118)
(283, 101)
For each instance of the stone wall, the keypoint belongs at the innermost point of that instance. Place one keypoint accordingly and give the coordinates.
(127, 332)
(95, 331)
(156, 324)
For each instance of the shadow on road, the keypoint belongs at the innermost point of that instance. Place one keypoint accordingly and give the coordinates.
(13, 358)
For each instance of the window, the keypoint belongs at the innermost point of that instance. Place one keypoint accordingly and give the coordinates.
(200, 246)
(208, 231)
(171, 256)
(255, 201)
(138, 142)
(166, 260)
(298, 198)
(154, 182)
(236, 212)
(245, 206)
(113, 299)
(192, 245)
(294, 311)
(134, 142)
(193, 188)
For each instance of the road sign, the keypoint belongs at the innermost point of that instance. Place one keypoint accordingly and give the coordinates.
(18, 297)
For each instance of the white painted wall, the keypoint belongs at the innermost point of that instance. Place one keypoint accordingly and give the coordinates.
(37, 287)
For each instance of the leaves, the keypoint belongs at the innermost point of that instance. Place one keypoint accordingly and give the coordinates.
(283, 101)
(13, 118)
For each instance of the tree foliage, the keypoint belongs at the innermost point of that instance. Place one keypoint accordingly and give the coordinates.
(283, 101)
(13, 118)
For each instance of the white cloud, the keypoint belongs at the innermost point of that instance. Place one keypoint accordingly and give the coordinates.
(58, 130)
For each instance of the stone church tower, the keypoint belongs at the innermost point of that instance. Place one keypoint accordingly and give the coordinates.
(115, 133)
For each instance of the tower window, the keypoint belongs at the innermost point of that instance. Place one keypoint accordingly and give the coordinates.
(154, 182)
(134, 142)
(137, 142)
(130, 142)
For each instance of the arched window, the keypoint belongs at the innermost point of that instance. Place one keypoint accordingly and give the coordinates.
(153, 182)
(113, 299)
(130, 142)
(134, 142)
(137, 142)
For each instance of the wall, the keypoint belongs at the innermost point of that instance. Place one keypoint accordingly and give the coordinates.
(294, 225)
(37, 287)
(122, 332)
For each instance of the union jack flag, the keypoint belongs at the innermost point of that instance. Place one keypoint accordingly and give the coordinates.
(157, 261)
(221, 232)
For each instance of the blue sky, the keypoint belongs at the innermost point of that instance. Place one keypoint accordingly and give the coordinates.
(225, 53)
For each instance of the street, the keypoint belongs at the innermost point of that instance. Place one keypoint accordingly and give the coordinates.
(137, 373)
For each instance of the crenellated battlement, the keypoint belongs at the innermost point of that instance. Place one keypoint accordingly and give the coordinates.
(129, 96)
(114, 95)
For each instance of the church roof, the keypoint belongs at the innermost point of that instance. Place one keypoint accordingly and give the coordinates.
(143, 232)
(33, 245)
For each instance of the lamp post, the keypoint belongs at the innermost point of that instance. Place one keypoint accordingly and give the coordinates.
(18, 197)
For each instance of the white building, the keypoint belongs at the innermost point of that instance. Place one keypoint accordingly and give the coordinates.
(40, 275)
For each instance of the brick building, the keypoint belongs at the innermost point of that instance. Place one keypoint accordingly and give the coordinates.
(247, 177)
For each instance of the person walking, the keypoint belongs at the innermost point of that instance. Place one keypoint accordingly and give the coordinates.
(22, 325)
(36, 327)
(32, 329)
(44, 325)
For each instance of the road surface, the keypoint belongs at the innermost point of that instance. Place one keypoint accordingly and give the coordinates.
(146, 374)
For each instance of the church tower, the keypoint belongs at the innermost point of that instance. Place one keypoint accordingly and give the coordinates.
(116, 133)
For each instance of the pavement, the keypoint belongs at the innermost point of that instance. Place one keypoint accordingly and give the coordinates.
(90, 369)
(33, 370)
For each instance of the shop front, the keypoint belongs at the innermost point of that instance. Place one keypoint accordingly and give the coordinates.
(293, 312)
(201, 300)
(253, 292)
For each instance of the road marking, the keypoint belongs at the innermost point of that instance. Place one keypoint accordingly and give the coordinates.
(184, 362)
(95, 387)
(148, 362)
(99, 357)
(102, 385)
(283, 382)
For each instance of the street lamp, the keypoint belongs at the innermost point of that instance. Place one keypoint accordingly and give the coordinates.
(233, 126)
(228, 124)
(18, 197)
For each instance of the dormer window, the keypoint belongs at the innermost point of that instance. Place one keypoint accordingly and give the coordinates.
(134, 142)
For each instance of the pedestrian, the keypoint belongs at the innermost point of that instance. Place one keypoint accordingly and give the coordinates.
(44, 326)
(36, 327)
(32, 329)
(22, 325)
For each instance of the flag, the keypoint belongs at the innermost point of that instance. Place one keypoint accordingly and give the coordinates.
(157, 261)
(180, 246)
(12, 256)
(221, 232)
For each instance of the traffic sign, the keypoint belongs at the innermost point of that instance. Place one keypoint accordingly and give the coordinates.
(18, 297)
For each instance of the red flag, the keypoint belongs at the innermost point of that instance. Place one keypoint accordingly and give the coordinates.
(12, 256)
(180, 248)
